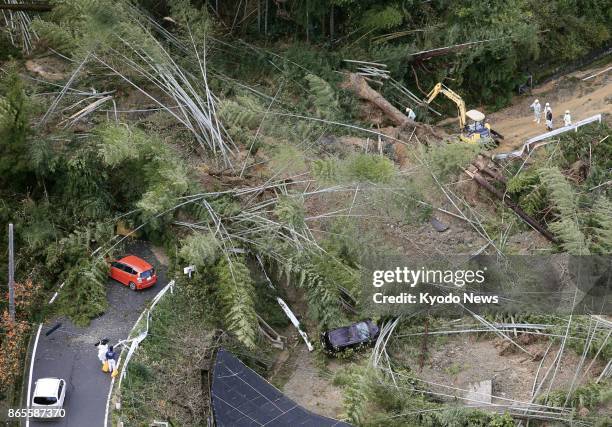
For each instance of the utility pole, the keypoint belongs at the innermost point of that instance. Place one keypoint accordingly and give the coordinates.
(11, 276)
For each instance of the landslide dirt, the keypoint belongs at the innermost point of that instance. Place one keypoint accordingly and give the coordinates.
(464, 359)
(569, 92)
(312, 389)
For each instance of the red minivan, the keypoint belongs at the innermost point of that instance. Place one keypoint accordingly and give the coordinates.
(133, 272)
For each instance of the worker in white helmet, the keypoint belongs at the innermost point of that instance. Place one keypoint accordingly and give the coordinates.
(411, 115)
(549, 119)
(537, 110)
(567, 118)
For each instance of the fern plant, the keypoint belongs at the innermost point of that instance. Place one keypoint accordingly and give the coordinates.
(561, 194)
(321, 279)
(118, 143)
(356, 397)
(244, 112)
(235, 292)
(356, 168)
(322, 97)
(601, 227)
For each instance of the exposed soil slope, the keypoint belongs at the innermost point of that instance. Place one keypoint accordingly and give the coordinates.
(570, 92)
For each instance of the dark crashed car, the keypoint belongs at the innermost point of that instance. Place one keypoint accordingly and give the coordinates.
(358, 334)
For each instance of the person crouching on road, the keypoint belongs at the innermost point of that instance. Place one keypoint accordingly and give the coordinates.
(110, 358)
(549, 119)
(567, 119)
(537, 110)
(102, 349)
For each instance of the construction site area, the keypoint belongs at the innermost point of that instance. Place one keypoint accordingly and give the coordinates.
(320, 213)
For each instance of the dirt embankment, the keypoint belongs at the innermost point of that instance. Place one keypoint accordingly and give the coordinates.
(583, 98)
(465, 359)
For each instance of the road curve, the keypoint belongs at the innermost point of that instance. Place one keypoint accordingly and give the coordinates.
(69, 351)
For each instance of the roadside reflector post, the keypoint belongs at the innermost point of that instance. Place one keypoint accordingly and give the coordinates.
(11, 275)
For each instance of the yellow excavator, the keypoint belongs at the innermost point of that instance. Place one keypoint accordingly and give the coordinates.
(478, 130)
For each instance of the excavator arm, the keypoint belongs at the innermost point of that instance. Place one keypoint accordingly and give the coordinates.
(453, 96)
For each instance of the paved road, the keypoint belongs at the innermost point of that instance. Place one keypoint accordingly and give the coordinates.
(69, 352)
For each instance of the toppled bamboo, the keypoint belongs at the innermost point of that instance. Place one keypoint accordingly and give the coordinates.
(521, 213)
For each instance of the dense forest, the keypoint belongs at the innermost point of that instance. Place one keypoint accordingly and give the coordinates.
(226, 134)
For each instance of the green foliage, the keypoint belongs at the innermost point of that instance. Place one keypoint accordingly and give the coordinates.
(235, 292)
(574, 28)
(342, 242)
(446, 160)
(7, 49)
(200, 249)
(325, 170)
(356, 396)
(119, 144)
(56, 36)
(287, 160)
(592, 147)
(195, 23)
(14, 131)
(531, 195)
(84, 294)
(601, 227)
(291, 212)
(561, 194)
(560, 191)
(522, 181)
(321, 277)
(370, 168)
(359, 167)
(587, 396)
(382, 17)
(322, 97)
(245, 112)
(77, 26)
(600, 346)
(372, 399)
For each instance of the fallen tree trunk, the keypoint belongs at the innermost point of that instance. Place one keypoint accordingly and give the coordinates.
(521, 213)
(362, 89)
(26, 7)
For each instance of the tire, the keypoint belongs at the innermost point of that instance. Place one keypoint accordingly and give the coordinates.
(133, 286)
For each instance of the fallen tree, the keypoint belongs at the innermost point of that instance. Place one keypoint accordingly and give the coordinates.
(362, 89)
(26, 7)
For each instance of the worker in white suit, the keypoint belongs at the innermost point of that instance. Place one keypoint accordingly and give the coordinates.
(411, 115)
(537, 110)
(567, 118)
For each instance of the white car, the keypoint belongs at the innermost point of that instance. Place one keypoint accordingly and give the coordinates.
(48, 398)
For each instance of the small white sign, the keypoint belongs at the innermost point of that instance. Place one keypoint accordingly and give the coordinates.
(188, 270)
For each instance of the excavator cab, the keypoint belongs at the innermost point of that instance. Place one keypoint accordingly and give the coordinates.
(476, 130)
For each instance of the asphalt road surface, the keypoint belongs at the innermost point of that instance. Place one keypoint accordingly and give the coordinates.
(69, 352)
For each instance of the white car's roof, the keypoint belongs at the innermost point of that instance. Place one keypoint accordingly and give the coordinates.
(47, 387)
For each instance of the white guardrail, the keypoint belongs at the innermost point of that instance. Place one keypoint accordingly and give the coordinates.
(134, 343)
(527, 145)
